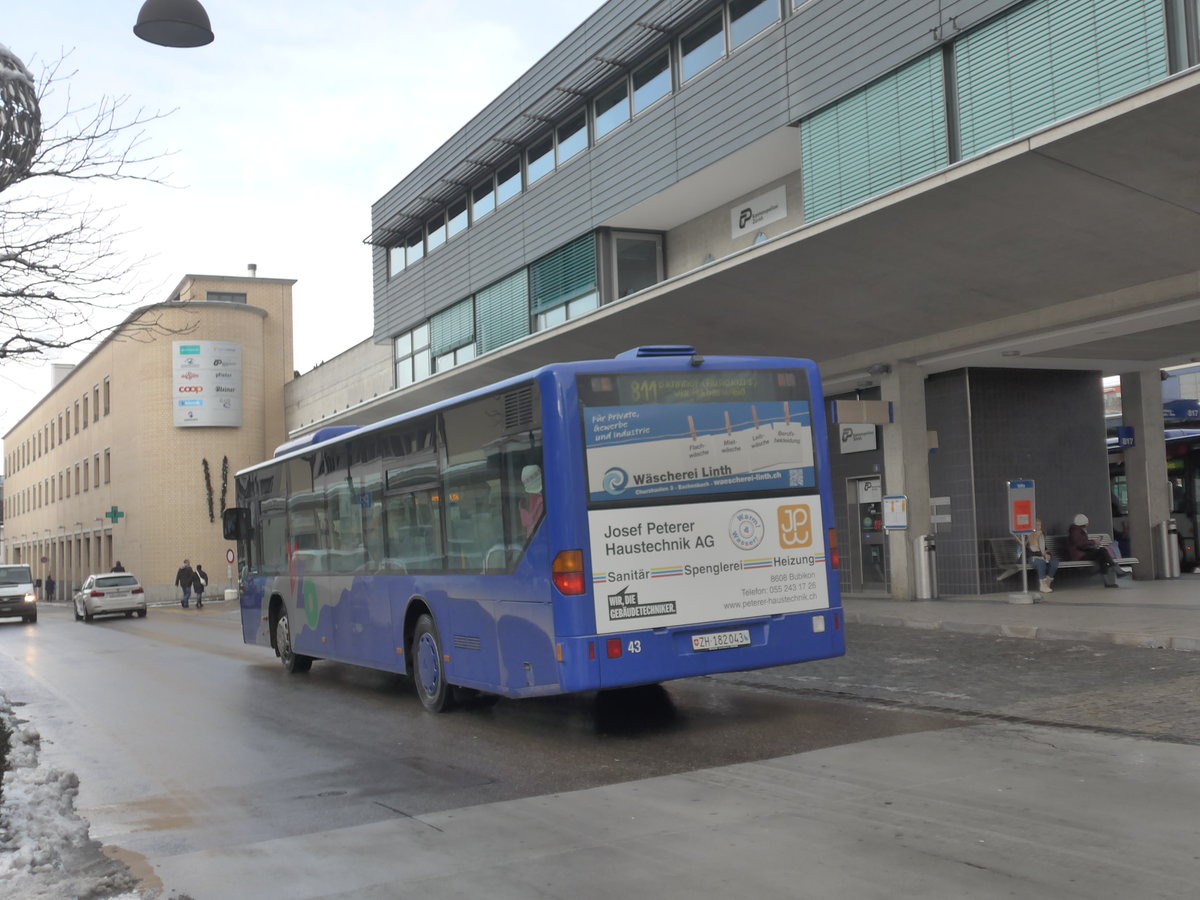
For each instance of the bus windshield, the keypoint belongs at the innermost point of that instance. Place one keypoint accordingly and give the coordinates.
(693, 434)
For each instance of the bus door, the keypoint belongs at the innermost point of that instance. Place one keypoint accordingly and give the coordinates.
(868, 549)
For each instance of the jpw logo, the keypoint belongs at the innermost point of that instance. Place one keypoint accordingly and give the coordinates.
(795, 526)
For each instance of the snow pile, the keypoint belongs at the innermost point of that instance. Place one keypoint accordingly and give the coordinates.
(45, 849)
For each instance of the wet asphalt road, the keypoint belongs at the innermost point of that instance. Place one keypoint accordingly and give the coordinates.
(188, 742)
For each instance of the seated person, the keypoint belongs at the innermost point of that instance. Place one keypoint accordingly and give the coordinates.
(1042, 560)
(1080, 546)
(532, 505)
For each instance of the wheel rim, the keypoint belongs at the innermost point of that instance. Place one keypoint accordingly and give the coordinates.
(429, 668)
(283, 639)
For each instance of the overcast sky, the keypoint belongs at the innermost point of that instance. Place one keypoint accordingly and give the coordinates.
(286, 129)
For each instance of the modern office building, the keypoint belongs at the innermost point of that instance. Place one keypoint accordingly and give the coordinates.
(131, 454)
(970, 210)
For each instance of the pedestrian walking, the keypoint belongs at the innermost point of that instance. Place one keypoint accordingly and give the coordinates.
(201, 584)
(185, 578)
(50, 588)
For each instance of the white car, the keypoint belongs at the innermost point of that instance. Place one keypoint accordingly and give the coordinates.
(108, 593)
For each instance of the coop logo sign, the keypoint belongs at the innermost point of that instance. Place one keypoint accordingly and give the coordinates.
(746, 218)
(200, 370)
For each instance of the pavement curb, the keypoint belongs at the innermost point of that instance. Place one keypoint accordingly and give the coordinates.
(1032, 632)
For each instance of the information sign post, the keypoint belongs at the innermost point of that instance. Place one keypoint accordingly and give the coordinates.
(1022, 522)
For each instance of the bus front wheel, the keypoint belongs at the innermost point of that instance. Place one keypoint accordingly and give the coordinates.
(293, 662)
(428, 673)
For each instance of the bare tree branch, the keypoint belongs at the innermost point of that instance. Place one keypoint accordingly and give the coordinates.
(61, 269)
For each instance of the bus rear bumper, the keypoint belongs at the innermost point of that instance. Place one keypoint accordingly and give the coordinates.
(645, 657)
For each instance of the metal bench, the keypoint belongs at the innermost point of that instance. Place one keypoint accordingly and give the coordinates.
(1006, 554)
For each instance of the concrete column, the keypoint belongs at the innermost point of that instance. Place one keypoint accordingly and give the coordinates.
(1145, 469)
(906, 470)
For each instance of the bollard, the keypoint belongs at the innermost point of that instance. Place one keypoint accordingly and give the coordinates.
(1172, 556)
(925, 553)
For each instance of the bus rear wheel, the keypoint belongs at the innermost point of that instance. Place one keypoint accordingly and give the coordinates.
(293, 662)
(429, 676)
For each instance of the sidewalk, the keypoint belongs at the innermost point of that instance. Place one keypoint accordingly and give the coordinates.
(1139, 613)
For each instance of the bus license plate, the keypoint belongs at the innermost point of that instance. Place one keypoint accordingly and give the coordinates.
(721, 640)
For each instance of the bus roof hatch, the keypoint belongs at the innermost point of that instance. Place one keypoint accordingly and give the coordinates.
(657, 350)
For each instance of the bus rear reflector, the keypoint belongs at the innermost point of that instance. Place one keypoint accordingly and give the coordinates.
(833, 550)
(567, 572)
(614, 648)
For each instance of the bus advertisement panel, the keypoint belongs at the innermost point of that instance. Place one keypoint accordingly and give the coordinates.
(686, 565)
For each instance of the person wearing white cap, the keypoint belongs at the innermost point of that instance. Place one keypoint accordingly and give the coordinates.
(1080, 546)
(532, 506)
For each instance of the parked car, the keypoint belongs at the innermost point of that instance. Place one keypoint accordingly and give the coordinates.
(107, 593)
(17, 595)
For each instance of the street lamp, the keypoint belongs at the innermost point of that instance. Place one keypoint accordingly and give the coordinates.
(174, 23)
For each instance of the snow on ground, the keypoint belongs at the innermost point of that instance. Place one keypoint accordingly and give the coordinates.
(46, 852)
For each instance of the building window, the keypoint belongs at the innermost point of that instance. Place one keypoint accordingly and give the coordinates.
(106, 396)
(96, 470)
(96, 403)
(68, 414)
(483, 199)
(452, 336)
(225, 297)
(702, 46)
(749, 17)
(539, 159)
(612, 108)
(85, 411)
(395, 260)
(414, 248)
(456, 217)
(86, 479)
(562, 285)
(107, 466)
(637, 259)
(435, 231)
(411, 353)
(77, 417)
(651, 82)
(508, 181)
(572, 137)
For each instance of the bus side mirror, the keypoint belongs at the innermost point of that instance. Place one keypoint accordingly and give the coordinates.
(235, 524)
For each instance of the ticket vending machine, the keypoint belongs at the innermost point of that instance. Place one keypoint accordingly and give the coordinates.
(868, 557)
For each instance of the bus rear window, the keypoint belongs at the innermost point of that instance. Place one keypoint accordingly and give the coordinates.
(687, 435)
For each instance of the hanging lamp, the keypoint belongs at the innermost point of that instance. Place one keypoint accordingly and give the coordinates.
(174, 23)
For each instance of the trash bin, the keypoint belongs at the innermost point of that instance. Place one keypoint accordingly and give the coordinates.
(925, 552)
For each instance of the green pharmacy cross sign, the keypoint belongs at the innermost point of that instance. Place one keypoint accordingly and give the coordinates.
(114, 514)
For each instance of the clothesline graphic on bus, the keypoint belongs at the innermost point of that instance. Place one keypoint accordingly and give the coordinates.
(688, 448)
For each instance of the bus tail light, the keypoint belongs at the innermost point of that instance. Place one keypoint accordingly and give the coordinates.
(567, 572)
(613, 648)
(833, 550)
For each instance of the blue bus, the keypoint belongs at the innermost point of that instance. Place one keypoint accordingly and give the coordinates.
(588, 525)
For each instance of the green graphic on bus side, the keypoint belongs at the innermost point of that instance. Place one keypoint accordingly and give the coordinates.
(312, 608)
